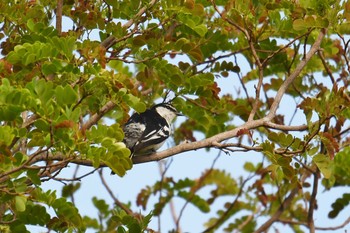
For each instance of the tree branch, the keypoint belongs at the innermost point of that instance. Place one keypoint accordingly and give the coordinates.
(206, 143)
(110, 192)
(209, 142)
(325, 65)
(286, 203)
(111, 40)
(312, 202)
(255, 55)
(290, 222)
(346, 222)
(281, 91)
(226, 214)
(59, 16)
(97, 116)
(285, 127)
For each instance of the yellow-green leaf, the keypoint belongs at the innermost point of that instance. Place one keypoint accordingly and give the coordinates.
(325, 164)
(20, 202)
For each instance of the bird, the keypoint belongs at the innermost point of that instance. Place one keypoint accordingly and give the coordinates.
(146, 132)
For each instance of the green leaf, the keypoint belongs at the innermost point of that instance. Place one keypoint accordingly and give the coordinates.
(29, 58)
(134, 228)
(49, 69)
(117, 158)
(249, 166)
(299, 25)
(134, 102)
(197, 54)
(31, 24)
(42, 125)
(180, 43)
(6, 135)
(201, 30)
(344, 28)
(34, 176)
(339, 205)
(21, 202)
(196, 200)
(121, 230)
(325, 164)
(67, 214)
(101, 205)
(70, 189)
(66, 95)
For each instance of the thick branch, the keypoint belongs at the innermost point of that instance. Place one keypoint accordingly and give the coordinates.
(286, 127)
(206, 143)
(97, 116)
(59, 16)
(315, 47)
(214, 141)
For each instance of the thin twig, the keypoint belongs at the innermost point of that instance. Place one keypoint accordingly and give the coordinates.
(111, 40)
(325, 65)
(346, 46)
(172, 206)
(197, 187)
(346, 222)
(39, 152)
(284, 205)
(333, 228)
(256, 58)
(110, 192)
(284, 47)
(223, 217)
(312, 202)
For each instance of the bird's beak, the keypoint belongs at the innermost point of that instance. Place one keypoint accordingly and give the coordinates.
(179, 114)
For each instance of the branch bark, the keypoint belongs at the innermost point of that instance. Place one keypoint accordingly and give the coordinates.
(97, 116)
(312, 202)
(59, 16)
(314, 48)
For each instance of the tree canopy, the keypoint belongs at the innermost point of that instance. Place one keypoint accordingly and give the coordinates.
(72, 71)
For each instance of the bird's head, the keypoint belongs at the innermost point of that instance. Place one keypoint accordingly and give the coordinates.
(167, 111)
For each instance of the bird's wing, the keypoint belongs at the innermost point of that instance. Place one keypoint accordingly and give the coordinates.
(156, 132)
(133, 130)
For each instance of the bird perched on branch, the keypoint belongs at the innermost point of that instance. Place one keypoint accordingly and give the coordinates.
(146, 132)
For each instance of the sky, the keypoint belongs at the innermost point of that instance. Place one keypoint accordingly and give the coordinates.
(189, 164)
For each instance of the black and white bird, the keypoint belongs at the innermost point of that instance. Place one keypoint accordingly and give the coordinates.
(146, 132)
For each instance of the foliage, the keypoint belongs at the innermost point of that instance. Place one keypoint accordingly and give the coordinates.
(59, 87)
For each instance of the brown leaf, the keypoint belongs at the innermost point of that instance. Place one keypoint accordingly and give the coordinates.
(65, 124)
(244, 131)
(215, 90)
(330, 143)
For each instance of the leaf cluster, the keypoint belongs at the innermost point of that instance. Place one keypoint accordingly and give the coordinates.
(65, 93)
